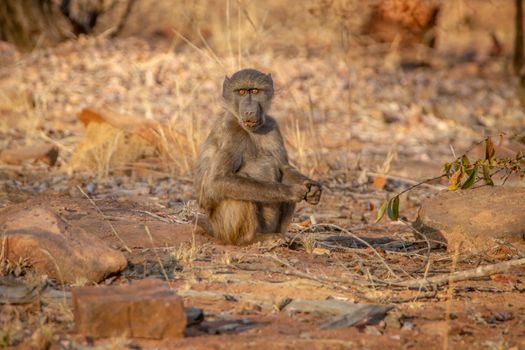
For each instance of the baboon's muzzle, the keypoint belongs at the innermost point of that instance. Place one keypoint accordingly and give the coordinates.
(251, 114)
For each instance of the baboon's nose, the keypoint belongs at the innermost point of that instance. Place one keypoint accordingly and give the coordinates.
(249, 114)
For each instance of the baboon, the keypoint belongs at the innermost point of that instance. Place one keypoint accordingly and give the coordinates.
(244, 181)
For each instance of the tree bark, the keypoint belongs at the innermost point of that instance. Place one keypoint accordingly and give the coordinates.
(518, 39)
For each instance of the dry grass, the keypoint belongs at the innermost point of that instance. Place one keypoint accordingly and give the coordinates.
(187, 252)
(180, 142)
(14, 268)
(308, 242)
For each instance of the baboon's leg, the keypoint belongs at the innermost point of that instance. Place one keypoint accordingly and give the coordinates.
(290, 176)
(234, 222)
(287, 210)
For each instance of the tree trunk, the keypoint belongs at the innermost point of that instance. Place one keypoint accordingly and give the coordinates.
(27, 23)
(518, 39)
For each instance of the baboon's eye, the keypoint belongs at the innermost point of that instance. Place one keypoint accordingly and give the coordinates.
(242, 92)
(254, 91)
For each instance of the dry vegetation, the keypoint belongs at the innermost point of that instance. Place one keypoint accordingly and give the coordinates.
(355, 113)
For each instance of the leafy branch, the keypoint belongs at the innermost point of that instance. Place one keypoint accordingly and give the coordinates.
(463, 174)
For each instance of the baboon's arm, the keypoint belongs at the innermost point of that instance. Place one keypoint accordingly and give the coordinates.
(245, 189)
(292, 175)
(225, 183)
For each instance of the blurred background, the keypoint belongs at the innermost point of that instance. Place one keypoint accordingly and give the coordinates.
(130, 88)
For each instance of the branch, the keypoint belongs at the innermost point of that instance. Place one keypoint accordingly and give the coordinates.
(481, 271)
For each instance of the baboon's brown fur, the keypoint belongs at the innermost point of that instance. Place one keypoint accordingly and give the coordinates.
(244, 181)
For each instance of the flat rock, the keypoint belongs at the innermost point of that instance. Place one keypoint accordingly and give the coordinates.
(35, 232)
(347, 314)
(45, 152)
(475, 217)
(144, 309)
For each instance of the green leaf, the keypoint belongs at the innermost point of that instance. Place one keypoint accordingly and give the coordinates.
(465, 161)
(486, 175)
(393, 208)
(446, 168)
(489, 149)
(381, 211)
(471, 179)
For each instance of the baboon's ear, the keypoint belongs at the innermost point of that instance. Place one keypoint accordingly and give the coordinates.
(225, 86)
(270, 80)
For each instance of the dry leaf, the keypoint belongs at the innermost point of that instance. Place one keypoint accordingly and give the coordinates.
(379, 182)
(320, 251)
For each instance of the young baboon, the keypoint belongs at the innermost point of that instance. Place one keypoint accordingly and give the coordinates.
(243, 179)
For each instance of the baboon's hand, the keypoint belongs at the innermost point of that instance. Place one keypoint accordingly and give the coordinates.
(299, 191)
(313, 196)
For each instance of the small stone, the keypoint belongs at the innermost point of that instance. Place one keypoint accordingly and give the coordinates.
(144, 309)
(475, 217)
(407, 325)
(91, 187)
(393, 319)
(371, 330)
(194, 316)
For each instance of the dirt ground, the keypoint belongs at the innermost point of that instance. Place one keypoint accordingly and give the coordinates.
(367, 123)
(242, 290)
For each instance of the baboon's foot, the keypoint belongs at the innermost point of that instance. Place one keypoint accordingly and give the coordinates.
(202, 221)
(269, 241)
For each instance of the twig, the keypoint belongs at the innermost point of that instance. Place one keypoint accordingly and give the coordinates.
(450, 295)
(414, 183)
(56, 143)
(2, 254)
(295, 272)
(153, 215)
(198, 49)
(428, 261)
(356, 238)
(59, 272)
(109, 223)
(157, 256)
(412, 299)
(481, 271)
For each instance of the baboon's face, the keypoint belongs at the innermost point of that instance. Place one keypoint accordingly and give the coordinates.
(248, 95)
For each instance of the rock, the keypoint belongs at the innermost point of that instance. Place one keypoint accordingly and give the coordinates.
(409, 21)
(144, 309)
(45, 152)
(362, 314)
(51, 245)
(475, 217)
(16, 291)
(346, 314)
